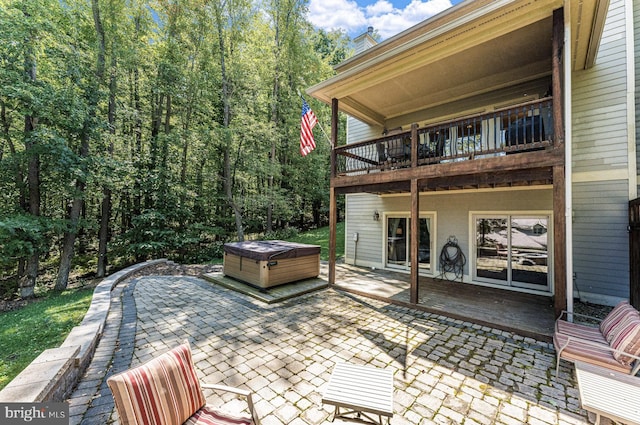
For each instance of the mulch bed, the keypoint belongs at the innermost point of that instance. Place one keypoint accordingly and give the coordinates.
(10, 303)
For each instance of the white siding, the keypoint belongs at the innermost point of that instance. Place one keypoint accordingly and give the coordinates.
(600, 239)
(359, 219)
(600, 154)
(363, 42)
(600, 102)
(357, 131)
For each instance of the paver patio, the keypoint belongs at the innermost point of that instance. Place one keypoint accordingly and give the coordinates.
(445, 371)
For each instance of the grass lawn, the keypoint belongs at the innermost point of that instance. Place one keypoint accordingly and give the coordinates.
(321, 237)
(42, 324)
(46, 322)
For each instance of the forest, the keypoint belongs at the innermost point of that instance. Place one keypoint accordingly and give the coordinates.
(135, 129)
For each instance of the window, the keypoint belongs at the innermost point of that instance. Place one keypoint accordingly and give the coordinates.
(513, 250)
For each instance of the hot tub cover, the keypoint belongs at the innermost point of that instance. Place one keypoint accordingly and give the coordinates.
(270, 250)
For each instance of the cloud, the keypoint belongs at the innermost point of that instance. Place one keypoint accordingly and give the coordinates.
(336, 14)
(379, 8)
(382, 15)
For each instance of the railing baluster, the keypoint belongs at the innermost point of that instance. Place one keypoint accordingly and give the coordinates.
(506, 130)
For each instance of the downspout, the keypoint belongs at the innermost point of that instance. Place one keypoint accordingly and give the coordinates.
(631, 105)
(568, 168)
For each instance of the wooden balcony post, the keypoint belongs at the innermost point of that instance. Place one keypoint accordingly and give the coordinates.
(559, 179)
(333, 206)
(333, 216)
(415, 236)
(334, 136)
(414, 145)
(559, 240)
(556, 76)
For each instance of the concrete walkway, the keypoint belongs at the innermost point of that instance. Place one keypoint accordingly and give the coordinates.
(445, 371)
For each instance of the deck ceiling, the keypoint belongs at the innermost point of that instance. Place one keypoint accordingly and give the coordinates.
(476, 47)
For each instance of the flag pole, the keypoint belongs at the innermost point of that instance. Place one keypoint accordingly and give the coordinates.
(321, 127)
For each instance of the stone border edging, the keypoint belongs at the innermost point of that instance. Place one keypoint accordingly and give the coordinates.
(55, 372)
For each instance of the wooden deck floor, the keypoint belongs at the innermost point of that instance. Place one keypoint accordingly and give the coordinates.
(524, 314)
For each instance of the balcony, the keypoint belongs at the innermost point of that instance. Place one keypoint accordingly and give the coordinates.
(526, 127)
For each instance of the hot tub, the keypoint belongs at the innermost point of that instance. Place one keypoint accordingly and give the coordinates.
(269, 263)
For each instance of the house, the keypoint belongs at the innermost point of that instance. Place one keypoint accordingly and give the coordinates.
(507, 126)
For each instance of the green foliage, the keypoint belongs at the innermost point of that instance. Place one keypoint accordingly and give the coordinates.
(43, 324)
(158, 145)
(21, 235)
(333, 46)
(320, 237)
(286, 234)
(157, 234)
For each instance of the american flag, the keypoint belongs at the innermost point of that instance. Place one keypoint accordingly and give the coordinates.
(309, 120)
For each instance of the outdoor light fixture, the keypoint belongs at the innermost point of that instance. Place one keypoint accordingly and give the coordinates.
(376, 215)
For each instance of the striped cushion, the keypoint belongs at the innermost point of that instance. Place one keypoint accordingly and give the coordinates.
(617, 319)
(577, 330)
(598, 354)
(208, 416)
(627, 341)
(163, 391)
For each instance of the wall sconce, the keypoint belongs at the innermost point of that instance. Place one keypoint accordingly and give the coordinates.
(376, 215)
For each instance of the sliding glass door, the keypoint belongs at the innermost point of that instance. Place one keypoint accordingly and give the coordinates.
(513, 250)
(398, 253)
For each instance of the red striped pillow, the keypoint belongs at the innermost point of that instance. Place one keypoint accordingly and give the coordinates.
(209, 416)
(627, 341)
(163, 391)
(617, 319)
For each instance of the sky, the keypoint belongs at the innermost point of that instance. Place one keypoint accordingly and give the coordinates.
(388, 17)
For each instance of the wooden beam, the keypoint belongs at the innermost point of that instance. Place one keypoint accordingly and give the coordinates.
(414, 145)
(516, 162)
(333, 221)
(394, 187)
(415, 236)
(559, 182)
(559, 241)
(556, 75)
(493, 179)
(334, 136)
(333, 206)
(490, 180)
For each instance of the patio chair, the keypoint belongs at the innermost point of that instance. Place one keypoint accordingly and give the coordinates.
(614, 343)
(166, 391)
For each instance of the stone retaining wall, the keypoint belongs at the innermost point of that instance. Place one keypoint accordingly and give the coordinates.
(56, 371)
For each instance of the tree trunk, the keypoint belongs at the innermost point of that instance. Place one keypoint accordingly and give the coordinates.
(317, 204)
(185, 151)
(103, 235)
(226, 118)
(199, 207)
(164, 154)
(137, 189)
(22, 195)
(274, 120)
(69, 239)
(78, 202)
(105, 217)
(28, 282)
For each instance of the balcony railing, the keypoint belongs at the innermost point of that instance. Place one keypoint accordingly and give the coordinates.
(519, 128)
